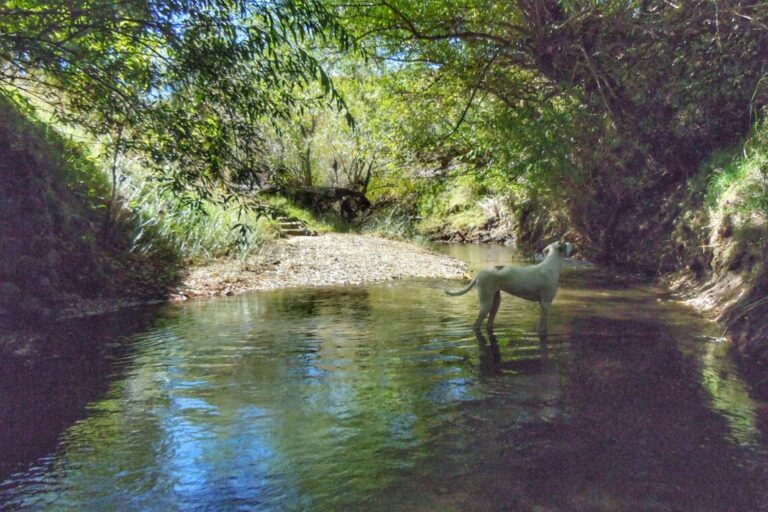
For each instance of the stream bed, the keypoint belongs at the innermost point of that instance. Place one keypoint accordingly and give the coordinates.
(381, 397)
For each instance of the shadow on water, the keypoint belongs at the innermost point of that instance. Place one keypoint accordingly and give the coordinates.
(381, 398)
(640, 433)
(616, 423)
(47, 385)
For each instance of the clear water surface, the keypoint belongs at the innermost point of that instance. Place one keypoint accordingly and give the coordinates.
(381, 398)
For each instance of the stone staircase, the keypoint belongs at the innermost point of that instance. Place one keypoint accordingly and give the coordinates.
(293, 227)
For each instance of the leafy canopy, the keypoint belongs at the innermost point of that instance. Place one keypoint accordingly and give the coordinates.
(182, 81)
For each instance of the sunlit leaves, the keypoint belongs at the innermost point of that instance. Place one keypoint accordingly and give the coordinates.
(189, 80)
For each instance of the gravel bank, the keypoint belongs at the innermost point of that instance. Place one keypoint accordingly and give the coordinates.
(326, 260)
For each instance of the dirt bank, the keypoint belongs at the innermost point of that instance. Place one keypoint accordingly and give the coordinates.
(528, 226)
(720, 252)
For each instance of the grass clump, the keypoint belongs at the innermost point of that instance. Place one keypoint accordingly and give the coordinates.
(394, 222)
(723, 227)
(196, 230)
(738, 183)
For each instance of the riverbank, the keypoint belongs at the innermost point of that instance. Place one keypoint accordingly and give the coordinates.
(332, 259)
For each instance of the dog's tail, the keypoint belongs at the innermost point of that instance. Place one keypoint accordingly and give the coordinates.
(463, 290)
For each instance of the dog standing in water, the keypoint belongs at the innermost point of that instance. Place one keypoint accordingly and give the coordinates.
(535, 282)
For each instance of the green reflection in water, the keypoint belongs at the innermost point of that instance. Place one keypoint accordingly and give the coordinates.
(730, 395)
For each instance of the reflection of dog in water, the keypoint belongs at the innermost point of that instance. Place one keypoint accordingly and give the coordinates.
(535, 282)
(490, 355)
(491, 362)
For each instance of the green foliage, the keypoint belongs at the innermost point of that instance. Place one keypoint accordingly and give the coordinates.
(723, 172)
(280, 206)
(320, 148)
(185, 83)
(451, 206)
(597, 109)
(197, 231)
(602, 107)
(394, 222)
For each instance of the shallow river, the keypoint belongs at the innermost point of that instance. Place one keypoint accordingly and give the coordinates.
(381, 398)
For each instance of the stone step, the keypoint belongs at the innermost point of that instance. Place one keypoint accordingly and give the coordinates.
(293, 227)
(295, 232)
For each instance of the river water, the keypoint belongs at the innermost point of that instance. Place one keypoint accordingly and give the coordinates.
(380, 397)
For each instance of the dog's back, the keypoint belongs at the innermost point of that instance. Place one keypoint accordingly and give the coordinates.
(529, 283)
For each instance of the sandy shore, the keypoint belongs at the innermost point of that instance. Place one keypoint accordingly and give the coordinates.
(326, 260)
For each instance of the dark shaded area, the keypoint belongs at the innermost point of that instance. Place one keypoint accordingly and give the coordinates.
(347, 203)
(620, 422)
(58, 243)
(67, 366)
(639, 423)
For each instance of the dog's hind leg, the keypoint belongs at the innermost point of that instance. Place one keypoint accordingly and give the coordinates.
(494, 310)
(485, 296)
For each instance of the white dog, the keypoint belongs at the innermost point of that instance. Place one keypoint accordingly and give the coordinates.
(535, 282)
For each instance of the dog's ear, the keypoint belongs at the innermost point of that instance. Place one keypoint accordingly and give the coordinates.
(546, 250)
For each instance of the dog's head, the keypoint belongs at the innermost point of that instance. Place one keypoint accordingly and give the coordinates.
(564, 248)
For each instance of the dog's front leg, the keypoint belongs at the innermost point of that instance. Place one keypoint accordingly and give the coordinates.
(543, 318)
